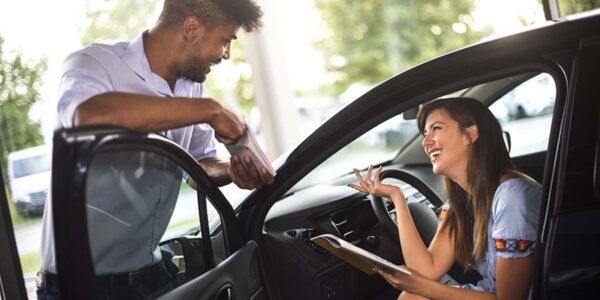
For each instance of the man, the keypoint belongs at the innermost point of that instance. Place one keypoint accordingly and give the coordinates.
(152, 84)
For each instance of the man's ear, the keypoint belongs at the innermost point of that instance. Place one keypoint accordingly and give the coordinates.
(472, 134)
(192, 29)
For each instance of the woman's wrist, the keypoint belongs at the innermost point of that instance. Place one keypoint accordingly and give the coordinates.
(397, 197)
(427, 287)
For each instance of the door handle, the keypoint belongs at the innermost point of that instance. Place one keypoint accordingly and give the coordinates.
(225, 293)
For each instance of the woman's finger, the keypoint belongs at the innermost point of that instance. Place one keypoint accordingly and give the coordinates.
(369, 170)
(356, 187)
(361, 181)
(377, 179)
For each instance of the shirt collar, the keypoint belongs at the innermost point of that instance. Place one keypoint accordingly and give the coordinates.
(135, 57)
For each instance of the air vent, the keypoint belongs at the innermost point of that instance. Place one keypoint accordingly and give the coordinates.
(309, 233)
(340, 222)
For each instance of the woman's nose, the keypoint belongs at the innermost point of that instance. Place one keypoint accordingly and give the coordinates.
(426, 141)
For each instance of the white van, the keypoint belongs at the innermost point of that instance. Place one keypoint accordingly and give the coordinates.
(29, 173)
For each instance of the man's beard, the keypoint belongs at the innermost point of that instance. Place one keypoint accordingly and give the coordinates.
(195, 70)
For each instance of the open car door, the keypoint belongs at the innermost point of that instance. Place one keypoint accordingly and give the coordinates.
(214, 261)
(12, 285)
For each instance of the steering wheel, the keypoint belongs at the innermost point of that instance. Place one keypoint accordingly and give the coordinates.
(425, 219)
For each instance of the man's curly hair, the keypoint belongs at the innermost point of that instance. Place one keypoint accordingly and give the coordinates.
(245, 13)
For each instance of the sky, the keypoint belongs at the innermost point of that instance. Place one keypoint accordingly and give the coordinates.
(42, 28)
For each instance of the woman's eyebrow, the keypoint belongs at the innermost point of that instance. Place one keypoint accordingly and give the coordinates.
(436, 122)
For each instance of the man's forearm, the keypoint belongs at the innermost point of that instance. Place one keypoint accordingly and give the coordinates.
(216, 169)
(144, 113)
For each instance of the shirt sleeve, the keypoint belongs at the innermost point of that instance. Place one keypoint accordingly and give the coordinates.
(515, 219)
(83, 77)
(203, 143)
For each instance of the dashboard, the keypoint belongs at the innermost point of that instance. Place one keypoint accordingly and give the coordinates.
(303, 269)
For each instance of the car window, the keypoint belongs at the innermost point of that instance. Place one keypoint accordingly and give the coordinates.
(525, 112)
(31, 165)
(570, 7)
(134, 198)
(379, 144)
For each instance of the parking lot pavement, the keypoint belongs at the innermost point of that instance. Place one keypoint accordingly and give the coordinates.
(28, 237)
(30, 285)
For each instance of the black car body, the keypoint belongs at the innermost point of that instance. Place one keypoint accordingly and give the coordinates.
(260, 249)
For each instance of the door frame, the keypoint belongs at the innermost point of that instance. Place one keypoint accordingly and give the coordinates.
(73, 152)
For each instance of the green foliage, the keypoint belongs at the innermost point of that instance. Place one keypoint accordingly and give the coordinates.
(371, 40)
(569, 7)
(30, 262)
(233, 85)
(118, 19)
(19, 89)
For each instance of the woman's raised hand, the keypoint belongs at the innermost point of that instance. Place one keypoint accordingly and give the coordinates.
(374, 186)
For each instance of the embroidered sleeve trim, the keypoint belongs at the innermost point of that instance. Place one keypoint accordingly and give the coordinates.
(443, 213)
(513, 245)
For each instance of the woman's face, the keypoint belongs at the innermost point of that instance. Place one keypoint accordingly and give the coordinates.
(446, 145)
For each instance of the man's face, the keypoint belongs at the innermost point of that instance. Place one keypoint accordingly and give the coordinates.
(208, 50)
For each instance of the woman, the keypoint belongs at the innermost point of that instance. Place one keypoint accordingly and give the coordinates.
(490, 220)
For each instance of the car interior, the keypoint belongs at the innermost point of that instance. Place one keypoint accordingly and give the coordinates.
(322, 203)
(228, 243)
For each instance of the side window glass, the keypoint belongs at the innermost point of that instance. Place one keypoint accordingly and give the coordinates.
(525, 112)
(380, 144)
(136, 200)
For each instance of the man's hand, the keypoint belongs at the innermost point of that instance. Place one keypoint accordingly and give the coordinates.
(228, 125)
(245, 174)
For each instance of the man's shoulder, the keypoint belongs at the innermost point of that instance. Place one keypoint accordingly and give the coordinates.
(103, 58)
(102, 51)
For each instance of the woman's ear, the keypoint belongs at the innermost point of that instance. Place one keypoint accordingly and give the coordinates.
(472, 133)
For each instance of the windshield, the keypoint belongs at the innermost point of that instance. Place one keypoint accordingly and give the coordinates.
(31, 165)
(375, 147)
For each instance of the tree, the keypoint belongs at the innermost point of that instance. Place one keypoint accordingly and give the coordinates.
(118, 19)
(569, 7)
(371, 40)
(19, 89)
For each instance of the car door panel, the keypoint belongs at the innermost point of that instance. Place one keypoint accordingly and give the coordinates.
(570, 266)
(235, 278)
(88, 149)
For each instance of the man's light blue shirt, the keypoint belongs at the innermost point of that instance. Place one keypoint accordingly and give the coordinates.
(114, 217)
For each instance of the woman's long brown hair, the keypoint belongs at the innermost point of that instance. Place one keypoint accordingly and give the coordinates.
(469, 212)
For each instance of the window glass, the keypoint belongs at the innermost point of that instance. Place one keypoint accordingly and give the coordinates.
(569, 7)
(525, 112)
(29, 166)
(134, 200)
(379, 144)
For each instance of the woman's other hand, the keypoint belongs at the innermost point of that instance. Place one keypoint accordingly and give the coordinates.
(413, 283)
(374, 186)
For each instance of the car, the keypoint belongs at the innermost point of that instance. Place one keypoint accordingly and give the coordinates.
(257, 245)
(29, 178)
